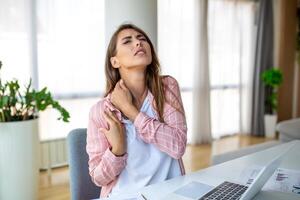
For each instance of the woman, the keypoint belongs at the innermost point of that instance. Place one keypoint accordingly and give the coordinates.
(137, 134)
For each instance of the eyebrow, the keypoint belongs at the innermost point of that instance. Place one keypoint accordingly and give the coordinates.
(140, 35)
(129, 37)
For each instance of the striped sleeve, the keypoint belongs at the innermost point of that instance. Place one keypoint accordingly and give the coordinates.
(171, 135)
(104, 166)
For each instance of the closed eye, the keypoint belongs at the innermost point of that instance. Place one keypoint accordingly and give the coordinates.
(126, 41)
(141, 37)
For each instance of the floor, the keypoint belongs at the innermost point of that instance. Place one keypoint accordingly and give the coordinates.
(195, 158)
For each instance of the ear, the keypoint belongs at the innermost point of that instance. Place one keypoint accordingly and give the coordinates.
(114, 62)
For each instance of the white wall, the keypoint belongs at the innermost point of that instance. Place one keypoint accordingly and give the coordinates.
(142, 13)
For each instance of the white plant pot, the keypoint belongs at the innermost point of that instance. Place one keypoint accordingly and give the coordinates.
(19, 159)
(270, 124)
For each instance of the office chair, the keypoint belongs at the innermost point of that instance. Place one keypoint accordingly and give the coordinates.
(81, 185)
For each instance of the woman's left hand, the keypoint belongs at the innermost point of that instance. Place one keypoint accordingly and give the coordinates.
(122, 100)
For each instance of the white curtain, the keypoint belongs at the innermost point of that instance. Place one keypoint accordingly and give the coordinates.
(201, 130)
(62, 40)
(71, 45)
(180, 57)
(176, 39)
(61, 45)
(15, 40)
(231, 45)
(215, 75)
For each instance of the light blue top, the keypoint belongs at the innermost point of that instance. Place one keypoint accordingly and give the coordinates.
(146, 164)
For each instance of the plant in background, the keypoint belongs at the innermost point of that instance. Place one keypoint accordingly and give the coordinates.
(272, 79)
(16, 105)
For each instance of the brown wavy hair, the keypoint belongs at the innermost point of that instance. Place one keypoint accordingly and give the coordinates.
(153, 78)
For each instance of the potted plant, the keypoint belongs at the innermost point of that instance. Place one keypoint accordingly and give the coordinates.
(19, 138)
(272, 79)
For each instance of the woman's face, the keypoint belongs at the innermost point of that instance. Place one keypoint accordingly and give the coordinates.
(132, 50)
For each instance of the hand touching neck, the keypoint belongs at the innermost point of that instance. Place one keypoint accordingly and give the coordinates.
(136, 83)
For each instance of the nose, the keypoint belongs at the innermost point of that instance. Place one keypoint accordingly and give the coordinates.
(138, 43)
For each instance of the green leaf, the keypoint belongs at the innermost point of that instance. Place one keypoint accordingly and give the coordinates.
(4, 101)
(23, 103)
(272, 79)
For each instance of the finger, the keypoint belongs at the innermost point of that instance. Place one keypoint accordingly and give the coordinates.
(113, 116)
(106, 133)
(122, 85)
(108, 118)
(117, 85)
(103, 130)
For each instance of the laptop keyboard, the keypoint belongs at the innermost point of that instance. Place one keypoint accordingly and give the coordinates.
(226, 191)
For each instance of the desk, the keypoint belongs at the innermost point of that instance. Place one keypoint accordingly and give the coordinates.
(231, 171)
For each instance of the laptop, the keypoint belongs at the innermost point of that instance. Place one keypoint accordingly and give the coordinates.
(236, 191)
(228, 190)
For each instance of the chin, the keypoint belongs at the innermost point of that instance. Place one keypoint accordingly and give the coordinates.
(144, 62)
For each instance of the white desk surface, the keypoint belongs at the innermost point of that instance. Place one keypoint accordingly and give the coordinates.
(231, 171)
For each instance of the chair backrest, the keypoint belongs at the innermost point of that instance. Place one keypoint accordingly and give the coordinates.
(81, 185)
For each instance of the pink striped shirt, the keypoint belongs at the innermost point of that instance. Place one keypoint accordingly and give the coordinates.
(169, 137)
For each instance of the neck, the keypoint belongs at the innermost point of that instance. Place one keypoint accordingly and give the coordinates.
(135, 81)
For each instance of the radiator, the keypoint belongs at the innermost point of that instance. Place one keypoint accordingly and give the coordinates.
(53, 153)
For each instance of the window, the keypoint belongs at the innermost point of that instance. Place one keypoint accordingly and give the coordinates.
(15, 40)
(71, 46)
(70, 50)
(69, 37)
(231, 37)
(231, 31)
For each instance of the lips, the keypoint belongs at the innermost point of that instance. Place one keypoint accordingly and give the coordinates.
(140, 50)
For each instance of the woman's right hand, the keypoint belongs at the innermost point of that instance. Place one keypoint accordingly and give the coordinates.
(115, 134)
(121, 98)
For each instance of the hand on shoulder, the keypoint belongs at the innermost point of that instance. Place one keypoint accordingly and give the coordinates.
(121, 98)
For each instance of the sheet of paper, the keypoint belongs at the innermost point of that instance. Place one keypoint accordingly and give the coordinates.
(283, 180)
